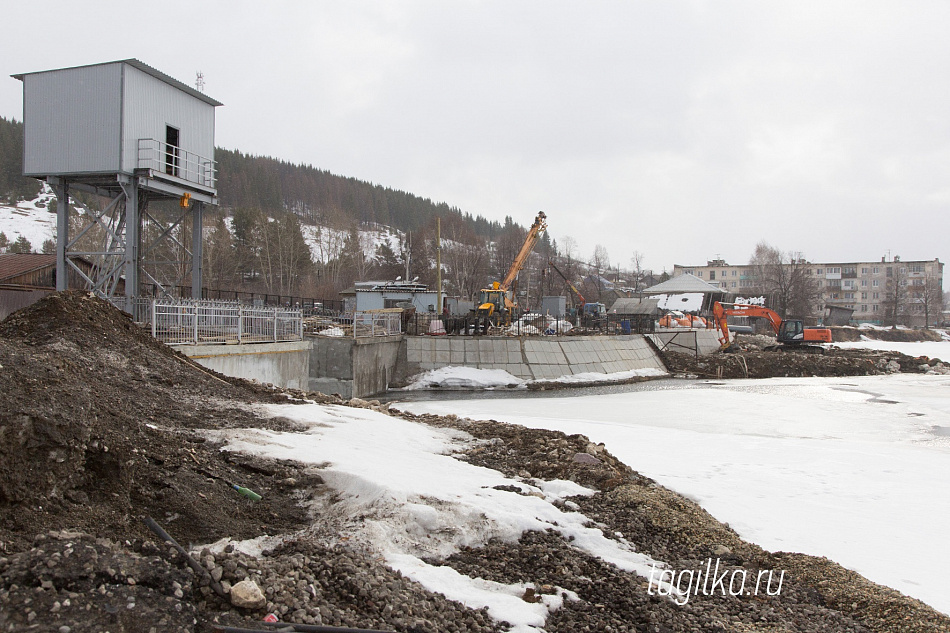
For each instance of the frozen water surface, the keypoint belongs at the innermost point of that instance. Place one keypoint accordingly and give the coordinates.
(856, 469)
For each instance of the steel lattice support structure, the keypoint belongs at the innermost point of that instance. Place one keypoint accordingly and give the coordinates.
(122, 240)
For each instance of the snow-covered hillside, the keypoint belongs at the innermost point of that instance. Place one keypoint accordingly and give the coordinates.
(30, 219)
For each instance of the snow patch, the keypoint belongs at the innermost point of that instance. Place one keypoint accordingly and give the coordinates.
(454, 377)
(388, 499)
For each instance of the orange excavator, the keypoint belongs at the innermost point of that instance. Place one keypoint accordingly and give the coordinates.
(498, 302)
(791, 333)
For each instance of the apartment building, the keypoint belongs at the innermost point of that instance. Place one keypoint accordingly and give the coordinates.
(872, 290)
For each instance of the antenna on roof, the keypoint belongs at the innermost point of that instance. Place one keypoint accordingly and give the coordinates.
(200, 82)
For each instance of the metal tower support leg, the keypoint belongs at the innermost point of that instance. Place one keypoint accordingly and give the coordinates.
(62, 231)
(133, 225)
(196, 252)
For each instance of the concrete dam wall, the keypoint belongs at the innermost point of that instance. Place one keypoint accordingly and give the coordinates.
(527, 358)
(365, 366)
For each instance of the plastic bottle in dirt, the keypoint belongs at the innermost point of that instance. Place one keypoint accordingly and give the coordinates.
(247, 492)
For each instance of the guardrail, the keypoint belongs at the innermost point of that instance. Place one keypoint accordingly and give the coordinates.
(208, 322)
(174, 161)
(377, 324)
(358, 325)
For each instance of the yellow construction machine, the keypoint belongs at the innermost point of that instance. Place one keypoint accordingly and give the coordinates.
(498, 303)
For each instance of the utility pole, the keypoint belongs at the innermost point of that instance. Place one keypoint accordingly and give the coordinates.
(438, 262)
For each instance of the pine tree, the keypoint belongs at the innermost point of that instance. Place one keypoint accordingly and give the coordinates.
(21, 245)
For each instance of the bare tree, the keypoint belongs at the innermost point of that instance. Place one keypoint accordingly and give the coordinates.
(929, 296)
(601, 259)
(896, 293)
(785, 279)
(464, 257)
(636, 264)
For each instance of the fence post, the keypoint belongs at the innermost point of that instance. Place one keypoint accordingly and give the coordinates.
(196, 323)
(275, 324)
(240, 328)
(154, 330)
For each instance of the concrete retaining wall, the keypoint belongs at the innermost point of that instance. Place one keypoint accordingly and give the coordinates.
(527, 358)
(363, 367)
(687, 341)
(352, 367)
(282, 364)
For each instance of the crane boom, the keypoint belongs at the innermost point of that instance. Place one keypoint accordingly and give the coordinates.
(534, 234)
(577, 293)
(500, 297)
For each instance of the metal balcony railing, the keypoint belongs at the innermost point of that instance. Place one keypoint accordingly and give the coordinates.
(185, 322)
(174, 161)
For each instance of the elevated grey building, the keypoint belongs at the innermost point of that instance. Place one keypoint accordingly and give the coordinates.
(132, 135)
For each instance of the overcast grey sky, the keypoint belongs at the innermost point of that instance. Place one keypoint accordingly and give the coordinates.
(681, 129)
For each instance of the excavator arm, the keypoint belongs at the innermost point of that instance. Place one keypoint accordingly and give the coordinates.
(794, 333)
(721, 312)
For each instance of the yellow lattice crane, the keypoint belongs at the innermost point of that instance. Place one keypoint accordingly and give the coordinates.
(499, 301)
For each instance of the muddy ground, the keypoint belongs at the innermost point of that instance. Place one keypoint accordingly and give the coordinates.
(846, 334)
(750, 357)
(100, 427)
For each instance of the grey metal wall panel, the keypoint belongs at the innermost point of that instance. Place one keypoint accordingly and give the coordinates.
(150, 104)
(71, 120)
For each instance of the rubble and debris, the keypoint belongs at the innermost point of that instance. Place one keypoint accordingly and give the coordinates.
(755, 356)
(101, 426)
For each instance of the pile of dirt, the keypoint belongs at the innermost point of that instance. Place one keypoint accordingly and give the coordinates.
(751, 361)
(101, 426)
(88, 405)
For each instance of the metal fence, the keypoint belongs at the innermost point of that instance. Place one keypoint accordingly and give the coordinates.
(309, 305)
(186, 322)
(360, 324)
(377, 324)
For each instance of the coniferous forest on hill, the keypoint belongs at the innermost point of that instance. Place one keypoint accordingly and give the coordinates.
(255, 239)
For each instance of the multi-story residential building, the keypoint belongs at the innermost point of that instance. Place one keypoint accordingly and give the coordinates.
(873, 290)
